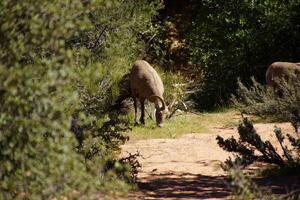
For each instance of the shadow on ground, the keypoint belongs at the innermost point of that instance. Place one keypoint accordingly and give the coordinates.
(285, 186)
(191, 186)
(184, 186)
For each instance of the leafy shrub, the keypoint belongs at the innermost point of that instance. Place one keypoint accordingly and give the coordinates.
(37, 150)
(239, 39)
(61, 61)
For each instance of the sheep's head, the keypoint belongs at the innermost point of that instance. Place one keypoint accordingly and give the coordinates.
(161, 110)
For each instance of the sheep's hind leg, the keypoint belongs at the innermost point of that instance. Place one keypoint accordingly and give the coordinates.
(135, 111)
(142, 119)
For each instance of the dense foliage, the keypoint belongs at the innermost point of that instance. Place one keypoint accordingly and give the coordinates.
(59, 66)
(240, 39)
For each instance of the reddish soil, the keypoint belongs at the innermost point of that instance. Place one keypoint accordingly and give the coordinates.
(188, 167)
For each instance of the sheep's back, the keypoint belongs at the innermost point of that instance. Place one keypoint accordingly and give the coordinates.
(281, 70)
(145, 81)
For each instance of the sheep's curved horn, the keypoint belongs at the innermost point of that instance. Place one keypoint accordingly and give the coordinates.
(161, 100)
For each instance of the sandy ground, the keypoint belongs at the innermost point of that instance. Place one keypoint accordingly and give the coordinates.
(188, 167)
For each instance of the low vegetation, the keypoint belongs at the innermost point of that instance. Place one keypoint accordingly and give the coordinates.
(249, 147)
(243, 187)
(265, 102)
(185, 123)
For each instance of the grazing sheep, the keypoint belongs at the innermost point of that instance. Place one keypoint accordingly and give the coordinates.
(281, 70)
(145, 83)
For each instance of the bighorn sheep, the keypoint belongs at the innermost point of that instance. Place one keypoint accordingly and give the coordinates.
(145, 83)
(279, 70)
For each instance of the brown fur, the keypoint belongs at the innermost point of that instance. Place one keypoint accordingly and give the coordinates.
(145, 83)
(279, 70)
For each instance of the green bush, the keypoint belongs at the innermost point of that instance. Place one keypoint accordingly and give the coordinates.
(281, 104)
(250, 142)
(59, 66)
(37, 150)
(250, 148)
(240, 39)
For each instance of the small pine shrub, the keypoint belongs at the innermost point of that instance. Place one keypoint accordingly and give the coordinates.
(279, 104)
(249, 141)
(266, 102)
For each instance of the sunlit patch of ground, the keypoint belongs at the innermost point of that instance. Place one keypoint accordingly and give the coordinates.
(182, 159)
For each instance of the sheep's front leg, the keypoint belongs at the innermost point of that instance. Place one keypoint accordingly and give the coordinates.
(142, 120)
(135, 110)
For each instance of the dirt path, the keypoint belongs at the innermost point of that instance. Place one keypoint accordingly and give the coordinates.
(187, 167)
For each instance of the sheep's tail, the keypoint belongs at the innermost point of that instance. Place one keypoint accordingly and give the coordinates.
(161, 100)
